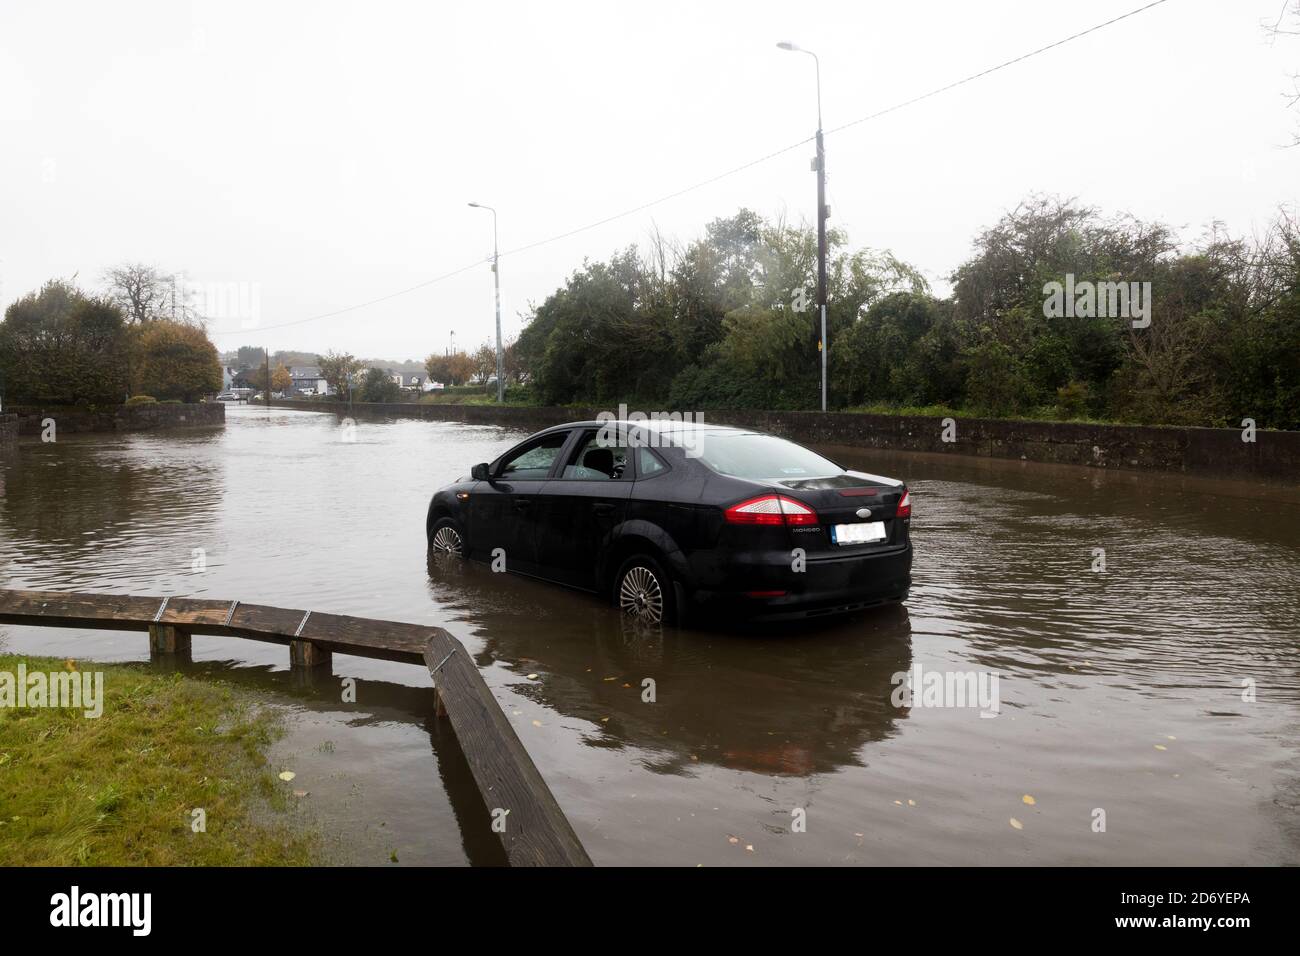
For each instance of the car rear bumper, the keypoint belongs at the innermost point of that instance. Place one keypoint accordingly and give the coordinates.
(764, 584)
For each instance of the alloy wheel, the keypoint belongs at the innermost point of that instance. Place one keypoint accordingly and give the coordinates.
(640, 596)
(446, 541)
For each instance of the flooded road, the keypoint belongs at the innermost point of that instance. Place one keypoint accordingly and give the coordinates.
(1160, 696)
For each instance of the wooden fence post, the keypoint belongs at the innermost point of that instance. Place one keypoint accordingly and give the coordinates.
(166, 639)
(307, 654)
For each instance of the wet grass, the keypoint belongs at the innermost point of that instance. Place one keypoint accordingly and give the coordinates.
(120, 789)
(1046, 414)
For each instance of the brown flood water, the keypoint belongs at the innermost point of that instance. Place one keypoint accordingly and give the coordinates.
(1119, 691)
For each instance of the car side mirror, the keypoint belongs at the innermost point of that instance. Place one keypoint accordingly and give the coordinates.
(480, 472)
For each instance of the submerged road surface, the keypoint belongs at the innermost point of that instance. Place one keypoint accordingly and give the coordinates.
(1147, 713)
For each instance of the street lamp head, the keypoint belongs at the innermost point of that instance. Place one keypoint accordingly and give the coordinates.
(787, 45)
(475, 205)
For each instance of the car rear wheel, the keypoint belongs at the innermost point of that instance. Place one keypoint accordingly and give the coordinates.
(446, 537)
(644, 591)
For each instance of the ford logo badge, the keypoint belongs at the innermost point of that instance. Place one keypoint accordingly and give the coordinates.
(864, 512)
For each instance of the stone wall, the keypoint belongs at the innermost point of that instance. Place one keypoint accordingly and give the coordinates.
(76, 419)
(1213, 452)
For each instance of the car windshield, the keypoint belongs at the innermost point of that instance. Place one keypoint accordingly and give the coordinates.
(762, 457)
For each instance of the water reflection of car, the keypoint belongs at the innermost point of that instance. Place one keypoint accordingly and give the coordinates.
(668, 518)
(803, 700)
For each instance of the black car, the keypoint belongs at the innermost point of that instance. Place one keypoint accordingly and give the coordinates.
(669, 518)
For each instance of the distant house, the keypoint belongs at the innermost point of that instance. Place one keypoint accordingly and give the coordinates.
(308, 379)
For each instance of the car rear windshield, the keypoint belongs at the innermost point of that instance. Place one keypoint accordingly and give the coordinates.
(762, 457)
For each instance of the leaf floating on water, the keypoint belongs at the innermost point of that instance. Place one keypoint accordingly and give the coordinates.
(733, 840)
(1017, 824)
(1170, 737)
(1161, 747)
(749, 847)
(537, 723)
(1029, 800)
(911, 803)
(287, 775)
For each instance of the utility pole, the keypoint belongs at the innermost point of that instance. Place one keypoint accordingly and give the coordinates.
(496, 282)
(819, 166)
(822, 214)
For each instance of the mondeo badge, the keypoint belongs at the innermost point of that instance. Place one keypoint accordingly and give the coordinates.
(864, 512)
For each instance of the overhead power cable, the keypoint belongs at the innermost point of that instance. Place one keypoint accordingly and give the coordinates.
(712, 179)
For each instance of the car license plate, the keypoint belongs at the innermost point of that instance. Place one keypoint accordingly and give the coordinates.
(861, 533)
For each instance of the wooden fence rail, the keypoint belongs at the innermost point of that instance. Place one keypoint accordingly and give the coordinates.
(532, 828)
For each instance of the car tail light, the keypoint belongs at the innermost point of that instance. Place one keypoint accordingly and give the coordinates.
(904, 506)
(771, 510)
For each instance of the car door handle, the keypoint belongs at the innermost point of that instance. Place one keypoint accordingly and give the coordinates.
(523, 504)
(603, 508)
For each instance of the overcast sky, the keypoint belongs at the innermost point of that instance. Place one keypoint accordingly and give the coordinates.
(320, 155)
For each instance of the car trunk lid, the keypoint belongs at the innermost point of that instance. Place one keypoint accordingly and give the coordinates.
(843, 501)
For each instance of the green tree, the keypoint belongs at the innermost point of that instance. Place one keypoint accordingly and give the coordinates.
(175, 361)
(378, 386)
(60, 346)
(729, 321)
(339, 369)
(485, 361)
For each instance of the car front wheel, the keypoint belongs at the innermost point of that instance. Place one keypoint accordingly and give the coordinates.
(446, 537)
(643, 591)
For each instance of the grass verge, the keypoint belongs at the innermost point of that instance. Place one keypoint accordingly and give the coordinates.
(121, 789)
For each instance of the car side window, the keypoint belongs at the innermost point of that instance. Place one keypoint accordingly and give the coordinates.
(597, 459)
(648, 464)
(536, 460)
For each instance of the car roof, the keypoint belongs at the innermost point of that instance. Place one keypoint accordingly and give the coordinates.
(664, 429)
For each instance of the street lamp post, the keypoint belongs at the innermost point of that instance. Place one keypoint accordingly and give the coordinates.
(819, 166)
(496, 281)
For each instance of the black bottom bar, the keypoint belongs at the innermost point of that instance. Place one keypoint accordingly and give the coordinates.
(985, 908)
